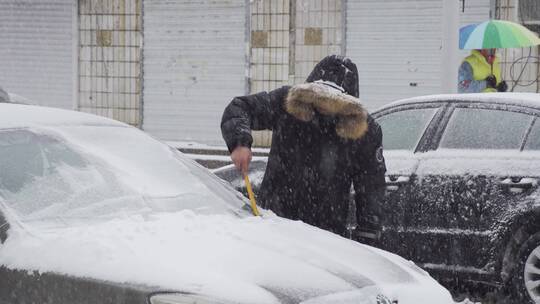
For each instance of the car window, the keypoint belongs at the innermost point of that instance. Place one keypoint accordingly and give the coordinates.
(402, 130)
(88, 172)
(472, 128)
(533, 140)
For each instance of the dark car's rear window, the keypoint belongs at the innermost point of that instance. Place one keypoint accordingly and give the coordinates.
(472, 128)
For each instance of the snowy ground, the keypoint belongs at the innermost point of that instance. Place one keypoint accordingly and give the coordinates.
(490, 298)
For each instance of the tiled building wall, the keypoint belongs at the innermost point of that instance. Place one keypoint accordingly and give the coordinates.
(270, 47)
(319, 32)
(520, 63)
(288, 37)
(269, 63)
(110, 58)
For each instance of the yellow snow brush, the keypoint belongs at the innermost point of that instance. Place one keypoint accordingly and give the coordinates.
(254, 208)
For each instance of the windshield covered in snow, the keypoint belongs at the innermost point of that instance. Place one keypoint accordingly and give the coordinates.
(97, 172)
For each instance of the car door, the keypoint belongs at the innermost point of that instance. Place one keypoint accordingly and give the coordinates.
(476, 172)
(407, 131)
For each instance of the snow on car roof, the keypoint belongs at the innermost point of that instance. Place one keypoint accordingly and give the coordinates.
(18, 116)
(522, 99)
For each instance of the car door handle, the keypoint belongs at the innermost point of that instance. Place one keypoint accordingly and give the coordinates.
(518, 185)
(393, 182)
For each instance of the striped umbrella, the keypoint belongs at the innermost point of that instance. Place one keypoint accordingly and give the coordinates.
(496, 34)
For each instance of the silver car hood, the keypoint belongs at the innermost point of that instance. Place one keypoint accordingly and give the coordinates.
(250, 260)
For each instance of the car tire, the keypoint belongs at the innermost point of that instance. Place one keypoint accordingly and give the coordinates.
(526, 276)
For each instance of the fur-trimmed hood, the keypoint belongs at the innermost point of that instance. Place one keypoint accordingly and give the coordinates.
(304, 100)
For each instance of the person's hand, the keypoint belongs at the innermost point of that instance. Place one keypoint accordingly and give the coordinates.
(502, 87)
(241, 157)
(491, 81)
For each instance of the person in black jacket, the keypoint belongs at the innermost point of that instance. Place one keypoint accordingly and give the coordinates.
(323, 142)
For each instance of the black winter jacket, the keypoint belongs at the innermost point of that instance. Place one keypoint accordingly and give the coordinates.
(323, 142)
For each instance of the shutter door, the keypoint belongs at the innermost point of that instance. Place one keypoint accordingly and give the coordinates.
(194, 63)
(37, 50)
(396, 45)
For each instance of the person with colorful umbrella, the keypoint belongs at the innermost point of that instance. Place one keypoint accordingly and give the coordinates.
(480, 71)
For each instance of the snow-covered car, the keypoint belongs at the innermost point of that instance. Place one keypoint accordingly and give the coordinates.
(462, 197)
(95, 211)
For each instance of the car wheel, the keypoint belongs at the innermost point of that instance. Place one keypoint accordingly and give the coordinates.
(526, 278)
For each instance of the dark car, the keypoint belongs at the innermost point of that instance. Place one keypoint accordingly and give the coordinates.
(462, 195)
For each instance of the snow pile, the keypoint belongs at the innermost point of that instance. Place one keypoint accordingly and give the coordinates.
(400, 162)
(492, 162)
(463, 161)
(255, 178)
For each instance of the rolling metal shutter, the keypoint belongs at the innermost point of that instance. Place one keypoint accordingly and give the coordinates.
(194, 63)
(38, 50)
(396, 46)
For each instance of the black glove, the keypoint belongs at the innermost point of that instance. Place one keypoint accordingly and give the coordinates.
(502, 86)
(491, 82)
